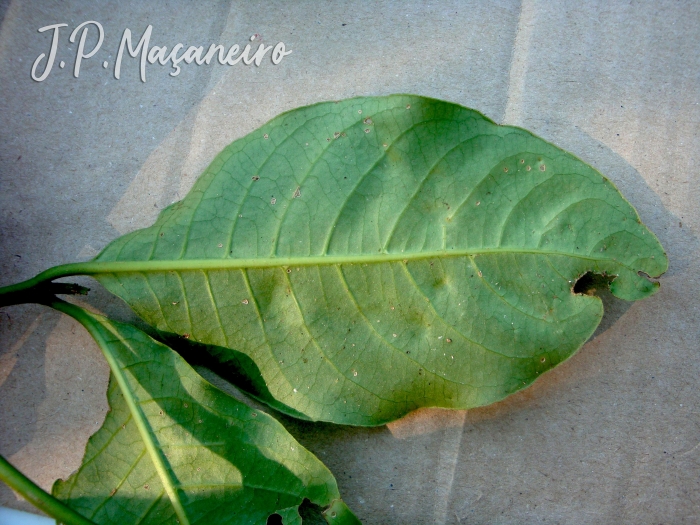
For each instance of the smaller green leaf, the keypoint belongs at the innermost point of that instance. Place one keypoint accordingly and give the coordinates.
(175, 449)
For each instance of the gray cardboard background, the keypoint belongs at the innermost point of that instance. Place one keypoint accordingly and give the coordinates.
(610, 436)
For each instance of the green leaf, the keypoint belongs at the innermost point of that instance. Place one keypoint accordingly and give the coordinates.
(376, 255)
(174, 447)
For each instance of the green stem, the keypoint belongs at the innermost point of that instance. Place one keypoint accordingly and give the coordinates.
(12, 294)
(41, 293)
(39, 497)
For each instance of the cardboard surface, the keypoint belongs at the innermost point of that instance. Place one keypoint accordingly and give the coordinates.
(610, 436)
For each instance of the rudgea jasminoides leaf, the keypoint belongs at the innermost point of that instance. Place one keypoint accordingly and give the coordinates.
(375, 255)
(175, 449)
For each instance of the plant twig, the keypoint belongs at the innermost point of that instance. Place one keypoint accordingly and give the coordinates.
(39, 497)
(41, 292)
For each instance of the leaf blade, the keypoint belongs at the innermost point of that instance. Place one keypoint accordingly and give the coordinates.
(220, 461)
(301, 230)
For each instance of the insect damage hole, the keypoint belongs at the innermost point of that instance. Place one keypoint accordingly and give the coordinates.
(274, 519)
(590, 282)
(311, 513)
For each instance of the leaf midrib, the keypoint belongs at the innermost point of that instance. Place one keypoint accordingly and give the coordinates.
(95, 268)
(107, 267)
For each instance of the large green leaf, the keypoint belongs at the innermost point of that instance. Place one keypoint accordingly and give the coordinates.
(174, 447)
(375, 255)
